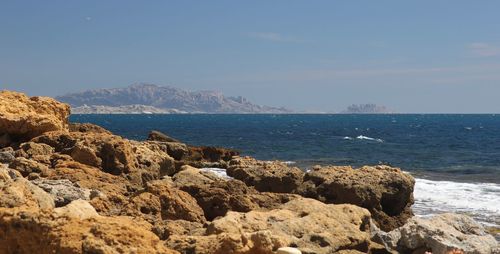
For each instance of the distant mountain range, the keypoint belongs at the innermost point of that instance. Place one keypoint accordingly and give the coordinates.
(366, 109)
(148, 98)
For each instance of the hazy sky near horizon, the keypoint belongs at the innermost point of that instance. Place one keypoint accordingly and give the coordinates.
(418, 56)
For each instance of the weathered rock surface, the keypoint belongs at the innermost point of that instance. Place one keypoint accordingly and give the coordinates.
(87, 127)
(30, 224)
(439, 234)
(385, 191)
(217, 196)
(175, 204)
(161, 137)
(266, 176)
(17, 192)
(64, 191)
(7, 156)
(22, 117)
(29, 168)
(111, 153)
(306, 224)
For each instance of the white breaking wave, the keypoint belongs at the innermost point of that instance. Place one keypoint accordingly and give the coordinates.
(480, 200)
(218, 171)
(290, 162)
(368, 138)
(347, 138)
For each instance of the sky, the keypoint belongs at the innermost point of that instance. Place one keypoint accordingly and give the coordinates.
(411, 56)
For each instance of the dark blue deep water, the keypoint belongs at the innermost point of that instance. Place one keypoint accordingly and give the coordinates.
(455, 158)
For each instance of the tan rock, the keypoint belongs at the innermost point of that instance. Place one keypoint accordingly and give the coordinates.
(87, 127)
(306, 224)
(175, 204)
(288, 250)
(440, 234)
(217, 196)
(385, 191)
(20, 193)
(266, 176)
(22, 117)
(79, 209)
(31, 231)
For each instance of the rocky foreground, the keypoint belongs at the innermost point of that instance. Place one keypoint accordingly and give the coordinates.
(78, 188)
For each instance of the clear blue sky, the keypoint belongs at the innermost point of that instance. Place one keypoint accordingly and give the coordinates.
(423, 56)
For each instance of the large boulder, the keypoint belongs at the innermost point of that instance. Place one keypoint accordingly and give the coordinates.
(23, 117)
(75, 228)
(161, 137)
(217, 196)
(111, 153)
(64, 191)
(175, 204)
(87, 127)
(17, 192)
(306, 224)
(272, 176)
(440, 234)
(385, 191)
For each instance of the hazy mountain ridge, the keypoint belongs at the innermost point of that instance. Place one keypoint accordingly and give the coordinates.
(366, 109)
(128, 109)
(166, 97)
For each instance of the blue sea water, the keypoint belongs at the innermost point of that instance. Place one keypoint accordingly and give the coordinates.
(455, 158)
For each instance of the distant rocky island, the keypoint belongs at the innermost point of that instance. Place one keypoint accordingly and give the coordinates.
(366, 109)
(149, 98)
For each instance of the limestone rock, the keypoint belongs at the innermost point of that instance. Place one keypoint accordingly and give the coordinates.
(7, 156)
(217, 196)
(74, 229)
(439, 234)
(115, 154)
(161, 137)
(166, 228)
(152, 157)
(79, 209)
(305, 224)
(176, 150)
(175, 204)
(63, 190)
(87, 127)
(19, 192)
(288, 250)
(22, 117)
(29, 167)
(385, 191)
(266, 176)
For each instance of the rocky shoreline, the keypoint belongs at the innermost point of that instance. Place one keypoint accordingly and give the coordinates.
(78, 188)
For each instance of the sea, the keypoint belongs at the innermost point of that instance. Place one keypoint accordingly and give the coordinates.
(454, 158)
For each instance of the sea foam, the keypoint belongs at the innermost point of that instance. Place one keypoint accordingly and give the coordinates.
(479, 200)
(218, 171)
(369, 138)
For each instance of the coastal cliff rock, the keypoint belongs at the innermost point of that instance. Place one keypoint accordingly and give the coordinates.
(309, 225)
(217, 196)
(266, 176)
(29, 223)
(385, 191)
(439, 234)
(87, 127)
(22, 117)
(161, 137)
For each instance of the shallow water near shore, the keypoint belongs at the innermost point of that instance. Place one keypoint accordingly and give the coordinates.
(455, 158)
